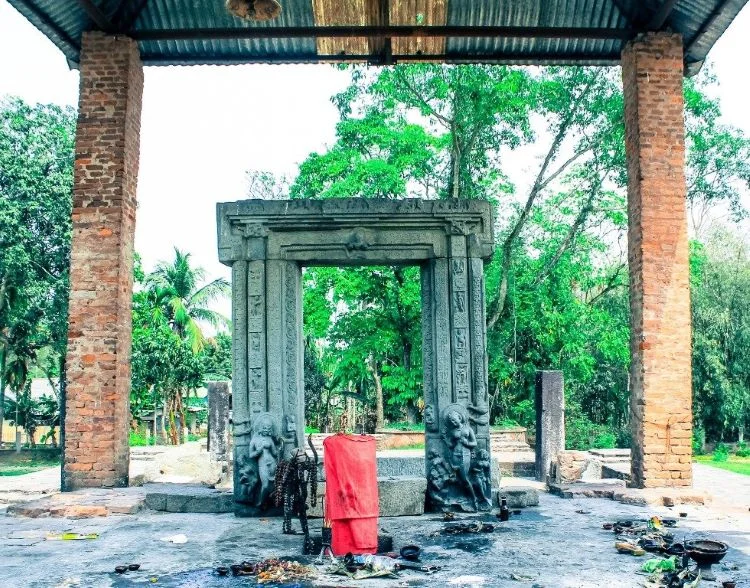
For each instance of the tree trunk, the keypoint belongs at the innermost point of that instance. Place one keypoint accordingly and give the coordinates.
(183, 423)
(2, 392)
(379, 416)
(153, 426)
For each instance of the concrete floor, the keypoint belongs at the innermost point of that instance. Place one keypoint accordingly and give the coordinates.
(552, 545)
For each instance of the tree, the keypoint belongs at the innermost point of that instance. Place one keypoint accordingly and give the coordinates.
(720, 298)
(370, 317)
(557, 286)
(36, 178)
(170, 355)
(175, 288)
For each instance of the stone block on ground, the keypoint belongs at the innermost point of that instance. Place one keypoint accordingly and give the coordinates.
(187, 498)
(569, 466)
(81, 504)
(600, 489)
(401, 495)
(517, 496)
(617, 470)
(608, 455)
(661, 496)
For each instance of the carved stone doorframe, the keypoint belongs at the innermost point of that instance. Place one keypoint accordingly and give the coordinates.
(268, 242)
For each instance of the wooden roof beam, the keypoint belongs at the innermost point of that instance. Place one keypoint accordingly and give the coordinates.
(384, 31)
(97, 16)
(660, 17)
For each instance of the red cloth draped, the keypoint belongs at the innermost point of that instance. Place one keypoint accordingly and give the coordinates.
(351, 498)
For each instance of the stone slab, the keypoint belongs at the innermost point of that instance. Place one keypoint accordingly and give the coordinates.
(517, 496)
(661, 496)
(617, 470)
(187, 498)
(600, 489)
(614, 454)
(81, 504)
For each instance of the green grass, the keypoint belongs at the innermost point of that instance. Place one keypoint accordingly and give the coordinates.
(412, 446)
(23, 463)
(738, 465)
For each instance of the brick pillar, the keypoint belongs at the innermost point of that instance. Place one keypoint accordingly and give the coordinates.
(97, 414)
(660, 374)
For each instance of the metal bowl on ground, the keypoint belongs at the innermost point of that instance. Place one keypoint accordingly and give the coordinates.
(705, 553)
(410, 552)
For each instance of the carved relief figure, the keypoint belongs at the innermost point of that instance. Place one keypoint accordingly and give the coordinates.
(357, 241)
(462, 375)
(255, 378)
(480, 478)
(264, 449)
(439, 475)
(255, 305)
(429, 417)
(460, 298)
(460, 441)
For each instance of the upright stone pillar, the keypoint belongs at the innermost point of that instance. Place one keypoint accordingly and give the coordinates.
(97, 412)
(549, 401)
(218, 420)
(660, 373)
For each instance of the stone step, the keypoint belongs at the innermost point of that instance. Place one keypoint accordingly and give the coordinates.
(618, 470)
(187, 498)
(600, 489)
(517, 469)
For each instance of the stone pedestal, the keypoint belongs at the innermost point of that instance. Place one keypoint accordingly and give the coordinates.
(660, 347)
(97, 399)
(219, 406)
(550, 420)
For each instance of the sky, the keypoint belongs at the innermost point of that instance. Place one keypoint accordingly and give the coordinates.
(204, 126)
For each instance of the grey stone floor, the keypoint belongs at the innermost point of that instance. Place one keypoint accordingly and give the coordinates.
(552, 545)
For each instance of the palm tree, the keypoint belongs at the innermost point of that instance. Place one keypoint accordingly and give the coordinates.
(175, 288)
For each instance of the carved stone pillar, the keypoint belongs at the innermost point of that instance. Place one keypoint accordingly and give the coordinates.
(455, 380)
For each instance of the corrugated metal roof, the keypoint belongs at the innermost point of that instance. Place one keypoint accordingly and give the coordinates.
(586, 32)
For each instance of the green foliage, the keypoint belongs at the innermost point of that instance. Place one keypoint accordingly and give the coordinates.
(505, 423)
(738, 465)
(216, 357)
(604, 441)
(742, 450)
(699, 441)
(557, 286)
(138, 440)
(721, 452)
(170, 354)
(720, 298)
(582, 434)
(406, 426)
(36, 178)
(184, 303)
(363, 330)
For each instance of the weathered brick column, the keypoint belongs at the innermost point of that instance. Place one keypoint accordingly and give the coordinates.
(660, 402)
(101, 267)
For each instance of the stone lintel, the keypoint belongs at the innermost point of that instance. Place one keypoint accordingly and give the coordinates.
(355, 231)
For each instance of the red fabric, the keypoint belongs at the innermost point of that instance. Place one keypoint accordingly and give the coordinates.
(354, 536)
(351, 498)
